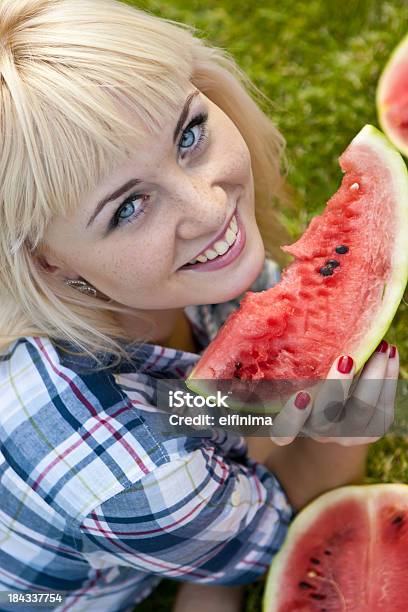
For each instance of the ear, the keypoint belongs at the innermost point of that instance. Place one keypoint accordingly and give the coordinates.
(52, 265)
(43, 263)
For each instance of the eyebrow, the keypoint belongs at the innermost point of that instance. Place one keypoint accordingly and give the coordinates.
(118, 192)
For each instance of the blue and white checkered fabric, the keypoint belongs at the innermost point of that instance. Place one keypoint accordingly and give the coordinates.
(95, 503)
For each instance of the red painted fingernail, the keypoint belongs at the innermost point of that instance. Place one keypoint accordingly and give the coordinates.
(302, 399)
(393, 351)
(345, 364)
(382, 347)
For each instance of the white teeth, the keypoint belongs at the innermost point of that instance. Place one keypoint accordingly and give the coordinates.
(221, 247)
(233, 225)
(230, 236)
(210, 254)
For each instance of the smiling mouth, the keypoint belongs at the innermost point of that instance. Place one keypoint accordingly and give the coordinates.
(220, 245)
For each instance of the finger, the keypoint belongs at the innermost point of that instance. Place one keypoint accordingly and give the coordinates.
(383, 416)
(354, 382)
(361, 405)
(329, 401)
(373, 371)
(291, 418)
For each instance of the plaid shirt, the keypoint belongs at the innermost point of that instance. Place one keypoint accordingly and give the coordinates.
(96, 504)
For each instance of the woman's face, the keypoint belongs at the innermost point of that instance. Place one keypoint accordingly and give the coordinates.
(133, 248)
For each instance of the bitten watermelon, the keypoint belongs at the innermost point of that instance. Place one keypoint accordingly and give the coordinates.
(341, 292)
(392, 97)
(347, 550)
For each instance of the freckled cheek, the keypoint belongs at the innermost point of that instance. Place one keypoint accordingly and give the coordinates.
(130, 267)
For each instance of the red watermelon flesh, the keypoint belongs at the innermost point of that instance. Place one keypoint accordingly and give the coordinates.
(347, 550)
(392, 97)
(296, 329)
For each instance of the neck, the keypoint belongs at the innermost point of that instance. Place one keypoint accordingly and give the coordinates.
(172, 329)
(181, 337)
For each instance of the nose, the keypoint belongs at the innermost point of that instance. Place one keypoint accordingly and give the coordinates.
(202, 209)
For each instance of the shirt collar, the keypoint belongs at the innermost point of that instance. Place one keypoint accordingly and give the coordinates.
(152, 359)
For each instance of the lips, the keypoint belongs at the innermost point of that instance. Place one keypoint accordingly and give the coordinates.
(218, 236)
(222, 260)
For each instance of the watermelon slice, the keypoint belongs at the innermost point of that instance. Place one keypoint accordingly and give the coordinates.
(338, 296)
(392, 97)
(347, 550)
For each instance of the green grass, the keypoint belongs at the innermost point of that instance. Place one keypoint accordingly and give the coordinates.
(319, 62)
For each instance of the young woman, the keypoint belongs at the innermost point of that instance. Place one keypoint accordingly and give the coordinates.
(129, 146)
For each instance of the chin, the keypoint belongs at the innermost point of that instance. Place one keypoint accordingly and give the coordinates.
(248, 270)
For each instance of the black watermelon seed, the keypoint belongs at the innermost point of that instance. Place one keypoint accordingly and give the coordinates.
(317, 596)
(238, 365)
(342, 249)
(397, 519)
(326, 271)
(314, 560)
(327, 552)
(332, 263)
(305, 585)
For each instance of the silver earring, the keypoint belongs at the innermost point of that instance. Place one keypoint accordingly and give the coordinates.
(81, 286)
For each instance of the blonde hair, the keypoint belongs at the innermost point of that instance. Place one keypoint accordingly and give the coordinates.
(61, 133)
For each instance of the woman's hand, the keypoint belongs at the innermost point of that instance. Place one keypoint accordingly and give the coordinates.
(343, 408)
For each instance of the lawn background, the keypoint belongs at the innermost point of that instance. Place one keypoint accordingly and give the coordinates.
(319, 63)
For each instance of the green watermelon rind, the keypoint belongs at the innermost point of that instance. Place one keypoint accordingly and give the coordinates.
(205, 390)
(395, 287)
(394, 290)
(401, 50)
(203, 387)
(308, 516)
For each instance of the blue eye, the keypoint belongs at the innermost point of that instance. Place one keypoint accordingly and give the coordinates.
(198, 121)
(127, 212)
(190, 132)
(128, 207)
